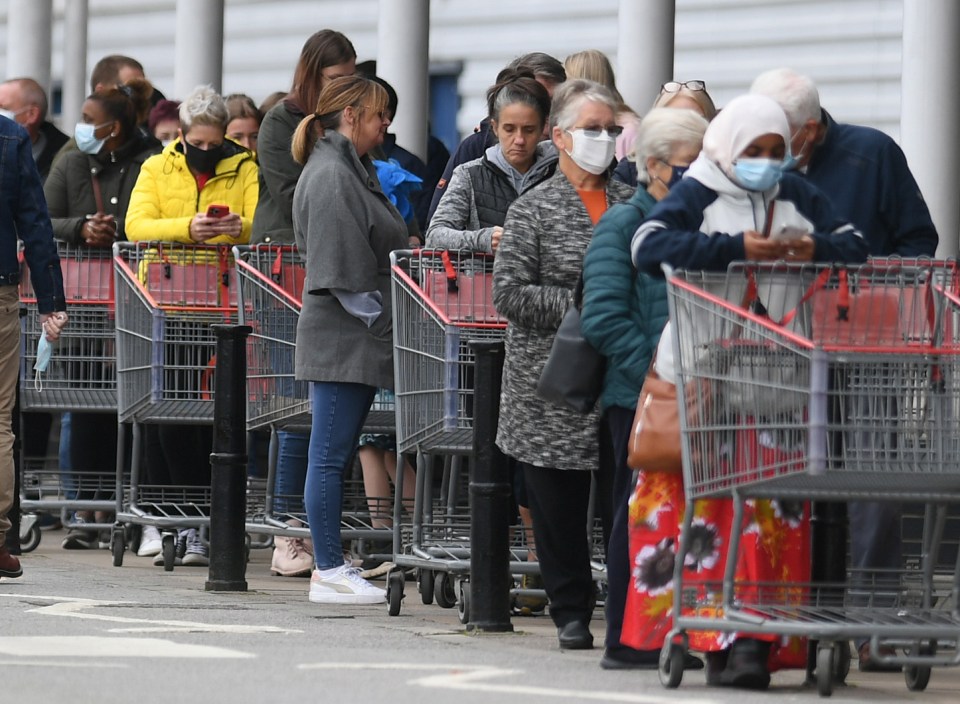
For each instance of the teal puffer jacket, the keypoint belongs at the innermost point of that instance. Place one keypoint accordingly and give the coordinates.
(623, 311)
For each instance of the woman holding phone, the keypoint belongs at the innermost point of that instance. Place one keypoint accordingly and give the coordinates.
(202, 189)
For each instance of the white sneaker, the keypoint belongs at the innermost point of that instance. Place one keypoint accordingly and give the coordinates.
(150, 542)
(343, 585)
(196, 553)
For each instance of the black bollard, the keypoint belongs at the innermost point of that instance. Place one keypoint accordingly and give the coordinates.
(228, 483)
(490, 505)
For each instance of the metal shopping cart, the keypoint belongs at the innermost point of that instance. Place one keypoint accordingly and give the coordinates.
(441, 302)
(168, 296)
(271, 279)
(81, 377)
(832, 383)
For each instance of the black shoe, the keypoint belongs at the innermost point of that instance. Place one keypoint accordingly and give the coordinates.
(630, 659)
(575, 636)
(716, 664)
(747, 665)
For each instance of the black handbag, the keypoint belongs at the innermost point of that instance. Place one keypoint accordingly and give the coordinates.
(573, 374)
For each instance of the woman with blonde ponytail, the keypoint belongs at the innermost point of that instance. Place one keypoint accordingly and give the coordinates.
(345, 228)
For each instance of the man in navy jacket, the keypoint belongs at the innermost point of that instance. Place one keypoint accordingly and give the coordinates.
(23, 216)
(862, 170)
(865, 175)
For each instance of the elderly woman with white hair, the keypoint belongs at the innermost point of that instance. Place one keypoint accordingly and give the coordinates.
(537, 268)
(713, 217)
(623, 315)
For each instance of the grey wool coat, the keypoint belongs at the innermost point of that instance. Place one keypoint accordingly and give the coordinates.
(535, 273)
(345, 228)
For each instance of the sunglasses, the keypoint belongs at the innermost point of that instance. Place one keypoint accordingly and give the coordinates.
(594, 131)
(677, 86)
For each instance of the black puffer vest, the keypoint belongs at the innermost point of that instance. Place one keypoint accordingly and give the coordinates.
(492, 192)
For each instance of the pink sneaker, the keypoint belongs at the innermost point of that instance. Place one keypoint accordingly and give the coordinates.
(290, 558)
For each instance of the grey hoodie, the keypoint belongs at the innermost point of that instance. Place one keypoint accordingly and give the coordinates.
(455, 224)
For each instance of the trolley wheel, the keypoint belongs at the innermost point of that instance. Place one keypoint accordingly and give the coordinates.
(841, 662)
(31, 541)
(918, 676)
(118, 543)
(425, 586)
(825, 669)
(395, 592)
(463, 603)
(443, 590)
(169, 551)
(670, 668)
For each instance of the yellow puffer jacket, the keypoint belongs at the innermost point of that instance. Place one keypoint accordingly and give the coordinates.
(165, 198)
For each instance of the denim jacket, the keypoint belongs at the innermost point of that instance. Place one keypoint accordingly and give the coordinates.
(23, 215)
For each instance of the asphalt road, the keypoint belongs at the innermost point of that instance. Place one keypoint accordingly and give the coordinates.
(74, 628)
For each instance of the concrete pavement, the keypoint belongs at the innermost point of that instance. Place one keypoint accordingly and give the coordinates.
(76, 628)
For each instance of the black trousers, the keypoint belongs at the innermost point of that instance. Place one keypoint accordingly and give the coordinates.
(559, 503)
(614, 438)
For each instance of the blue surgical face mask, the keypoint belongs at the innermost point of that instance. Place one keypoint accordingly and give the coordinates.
(86, 138)
(44, 353)
(757, 174)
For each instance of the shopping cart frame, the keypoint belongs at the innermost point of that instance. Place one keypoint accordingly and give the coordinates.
(820, 611)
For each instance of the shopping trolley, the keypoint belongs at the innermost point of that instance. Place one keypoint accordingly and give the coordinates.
(81, 377)
(168, 296)
(442, 301)
(820, 383)
(271, 279)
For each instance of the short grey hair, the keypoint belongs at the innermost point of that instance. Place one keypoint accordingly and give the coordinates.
(204, 106)
(662, 131)
(570, 96)
(795, 93)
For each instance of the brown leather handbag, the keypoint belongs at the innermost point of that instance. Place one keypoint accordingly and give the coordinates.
(655, 436)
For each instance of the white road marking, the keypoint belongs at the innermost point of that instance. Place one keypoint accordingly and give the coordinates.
(469, 678)
(78, 608)
(101, 647)
(86, 664)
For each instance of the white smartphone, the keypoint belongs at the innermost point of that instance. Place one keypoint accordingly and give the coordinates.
(789, 232)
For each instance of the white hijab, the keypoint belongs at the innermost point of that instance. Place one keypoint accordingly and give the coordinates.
(740, 122)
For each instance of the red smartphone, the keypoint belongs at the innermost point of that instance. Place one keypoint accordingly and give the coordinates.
(217, 211)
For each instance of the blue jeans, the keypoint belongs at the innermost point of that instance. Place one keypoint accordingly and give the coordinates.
(339, 411)
(291, 470)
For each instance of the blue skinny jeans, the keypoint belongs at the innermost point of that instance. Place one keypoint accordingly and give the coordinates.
(339, 411)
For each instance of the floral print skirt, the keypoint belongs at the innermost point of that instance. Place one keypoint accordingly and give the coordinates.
(774, 552)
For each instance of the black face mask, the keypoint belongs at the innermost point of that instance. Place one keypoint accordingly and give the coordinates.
(203, 161)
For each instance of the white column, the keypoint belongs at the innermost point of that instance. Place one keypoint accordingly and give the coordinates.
(75, 86)
(29, 28)
(644, 50)
(930, 109)
(198, 46)
(403, 43)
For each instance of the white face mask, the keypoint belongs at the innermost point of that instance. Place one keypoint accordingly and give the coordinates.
(592, 151)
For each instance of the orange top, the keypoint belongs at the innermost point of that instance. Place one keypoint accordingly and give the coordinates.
(595, 202)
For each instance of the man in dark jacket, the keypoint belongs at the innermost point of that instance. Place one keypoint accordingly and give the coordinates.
(546, 69)
(23, 215)
(866, 176)
(24, 101)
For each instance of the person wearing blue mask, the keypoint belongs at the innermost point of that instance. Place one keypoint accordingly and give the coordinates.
(734, 194)
(88, 192)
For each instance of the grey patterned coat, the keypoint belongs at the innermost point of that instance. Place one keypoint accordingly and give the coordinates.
(536, 270)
